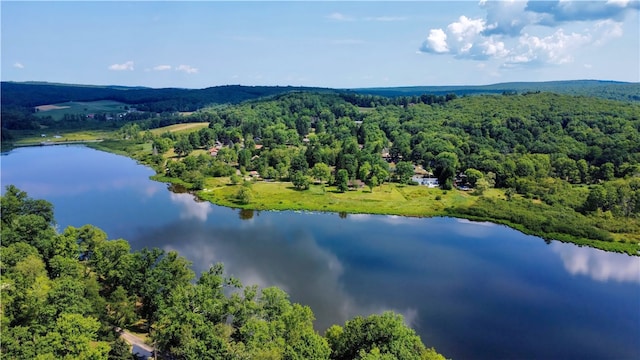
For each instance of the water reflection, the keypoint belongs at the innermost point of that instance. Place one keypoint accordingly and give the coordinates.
(189, 207)
(598, 265)
(245, 214)
(266, 256)
(387, 219)
(474, 229)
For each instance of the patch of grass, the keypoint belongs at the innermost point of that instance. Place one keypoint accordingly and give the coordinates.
(35, 138)
(386, 199)
(180, 128)
(123, 147)
(550, 222)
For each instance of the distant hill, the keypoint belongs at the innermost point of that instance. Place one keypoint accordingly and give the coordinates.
(614, 90)
(31, 94)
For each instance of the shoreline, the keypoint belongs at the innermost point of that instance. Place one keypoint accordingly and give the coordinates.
(611, 246)
(53, 143)
(419, 202)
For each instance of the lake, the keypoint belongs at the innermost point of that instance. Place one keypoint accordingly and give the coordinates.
(472, 290)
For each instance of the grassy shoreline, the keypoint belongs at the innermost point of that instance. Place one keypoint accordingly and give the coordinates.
(387, 199)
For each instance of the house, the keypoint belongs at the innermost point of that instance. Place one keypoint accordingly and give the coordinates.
(426, 181)
(419, 170)
(214, 150)
(385, 154)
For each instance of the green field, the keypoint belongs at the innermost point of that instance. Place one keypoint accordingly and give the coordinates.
(180, 128)
(57, 111)
(28, 138)
(390, 198)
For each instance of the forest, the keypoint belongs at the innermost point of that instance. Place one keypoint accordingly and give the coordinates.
(567, 166)
(65, 293)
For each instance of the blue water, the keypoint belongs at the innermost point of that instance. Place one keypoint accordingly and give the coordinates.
(472, 290)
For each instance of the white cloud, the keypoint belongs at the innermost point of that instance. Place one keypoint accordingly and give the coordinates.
(465, 39)
(507, 17)
(436, 42)
(554, 49)
(568, 11)
(465, 32)
(162, 67)
(621, 3)
(122, 67)
(466, 28)
(18, 65)
(607, 30)
(187, 69)
(493, 48)
(514, 31)
(339, 17)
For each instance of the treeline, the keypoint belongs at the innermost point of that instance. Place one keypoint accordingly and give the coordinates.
(613, 90)
(29, 95)
(63, 294)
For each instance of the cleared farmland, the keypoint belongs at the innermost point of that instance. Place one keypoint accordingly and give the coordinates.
(58, 111)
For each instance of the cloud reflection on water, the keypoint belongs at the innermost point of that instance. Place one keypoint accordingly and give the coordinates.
(473, 229)
(189, 207)
(387, 219)
(598, 265)
(265, 256)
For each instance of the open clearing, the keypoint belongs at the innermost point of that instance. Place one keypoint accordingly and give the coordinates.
(390, 198)
(50, 107)
(186, 127)
(57, 111)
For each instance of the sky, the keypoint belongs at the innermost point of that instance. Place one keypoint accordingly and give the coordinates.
(318, 43)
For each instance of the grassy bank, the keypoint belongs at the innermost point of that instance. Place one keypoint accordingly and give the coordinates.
(390, 199)
(32, 137)
(393, 199)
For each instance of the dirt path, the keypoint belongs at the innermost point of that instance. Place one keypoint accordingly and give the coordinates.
(139, 347)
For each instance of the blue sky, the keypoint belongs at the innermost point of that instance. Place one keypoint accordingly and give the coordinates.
(328, 44)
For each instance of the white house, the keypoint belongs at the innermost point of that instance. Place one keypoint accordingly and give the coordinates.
(426, 181)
